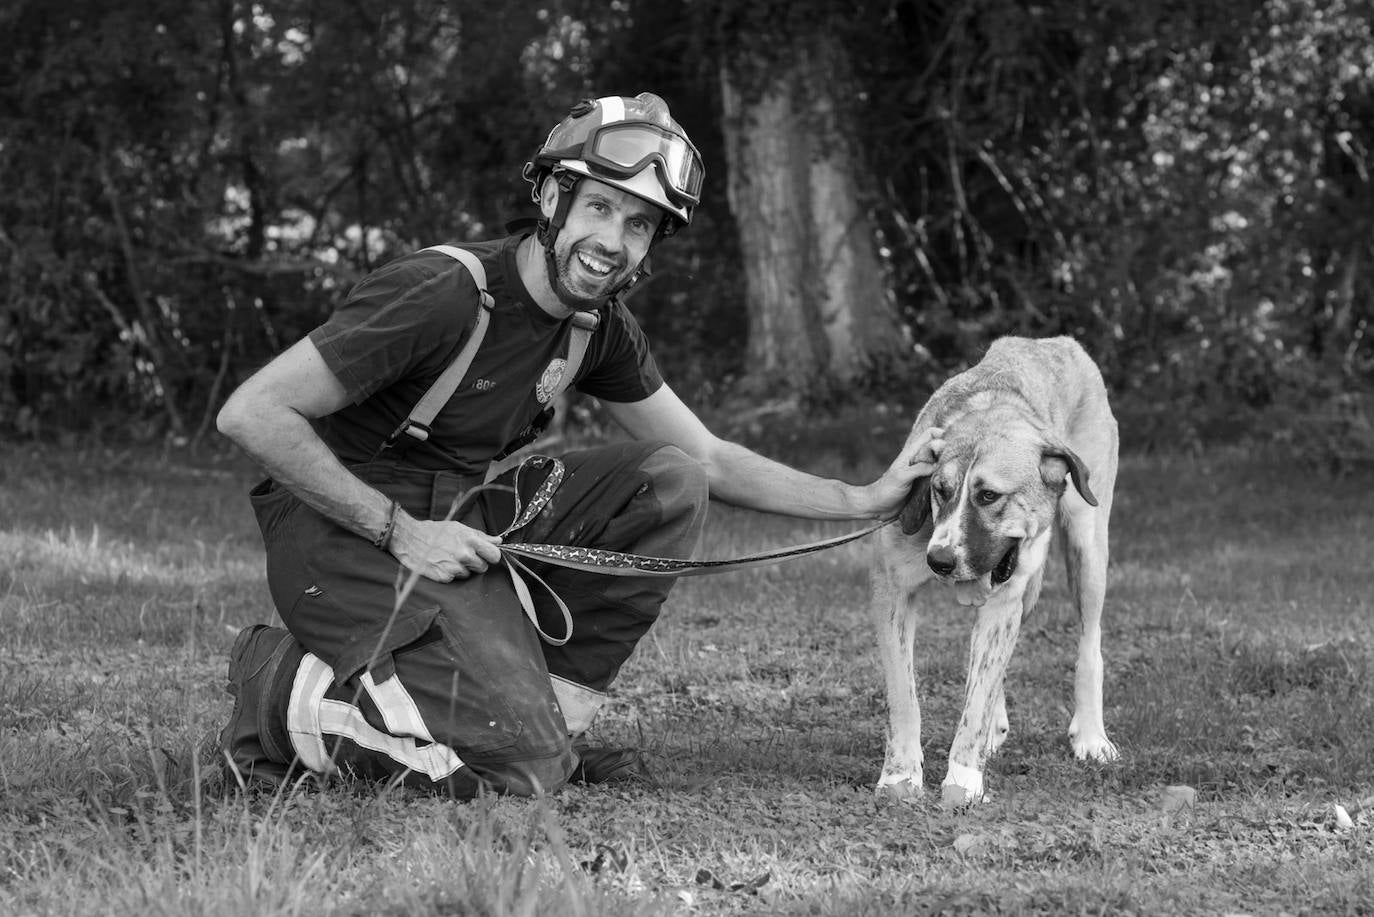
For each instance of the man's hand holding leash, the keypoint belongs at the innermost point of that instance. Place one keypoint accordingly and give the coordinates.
(443, 550)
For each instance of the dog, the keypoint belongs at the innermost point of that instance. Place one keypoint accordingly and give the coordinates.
(1019, 426)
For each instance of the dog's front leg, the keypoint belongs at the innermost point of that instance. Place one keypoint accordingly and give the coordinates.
(983, 724)
(894, 621)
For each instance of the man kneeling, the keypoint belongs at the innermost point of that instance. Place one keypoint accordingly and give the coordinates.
(444, 682)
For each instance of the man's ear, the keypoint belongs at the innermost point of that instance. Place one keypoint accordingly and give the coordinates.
(1058, 461)
(916, 513)
(548, 195)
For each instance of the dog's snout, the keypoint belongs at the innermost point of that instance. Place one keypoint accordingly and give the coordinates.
(941, 560)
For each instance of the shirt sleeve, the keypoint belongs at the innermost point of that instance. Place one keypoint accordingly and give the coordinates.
(406, 318)
(622, 368)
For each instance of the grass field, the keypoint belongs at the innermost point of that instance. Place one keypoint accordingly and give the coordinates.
(1239, 629)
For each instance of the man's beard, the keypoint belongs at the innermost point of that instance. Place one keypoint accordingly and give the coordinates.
(572, 279)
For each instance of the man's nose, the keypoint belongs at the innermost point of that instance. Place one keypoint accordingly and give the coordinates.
(610, 237)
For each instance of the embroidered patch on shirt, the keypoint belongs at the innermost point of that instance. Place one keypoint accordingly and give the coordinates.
(548, 383)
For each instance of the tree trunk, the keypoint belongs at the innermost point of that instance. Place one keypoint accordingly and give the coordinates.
(820, 311)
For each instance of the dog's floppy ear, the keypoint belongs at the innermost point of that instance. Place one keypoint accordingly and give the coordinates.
(1058, 460)
(916, 513)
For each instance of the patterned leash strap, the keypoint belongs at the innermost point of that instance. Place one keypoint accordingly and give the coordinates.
(619, 563)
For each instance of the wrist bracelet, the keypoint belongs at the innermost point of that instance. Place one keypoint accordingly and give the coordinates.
(383, 541)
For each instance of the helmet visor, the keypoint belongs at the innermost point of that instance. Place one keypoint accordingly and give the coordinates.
(624, 149)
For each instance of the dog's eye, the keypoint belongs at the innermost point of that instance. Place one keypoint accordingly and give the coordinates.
(987, 497)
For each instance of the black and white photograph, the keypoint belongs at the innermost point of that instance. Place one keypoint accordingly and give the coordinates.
(639, 458)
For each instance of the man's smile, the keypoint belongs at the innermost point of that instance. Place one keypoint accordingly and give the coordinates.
(596, 265)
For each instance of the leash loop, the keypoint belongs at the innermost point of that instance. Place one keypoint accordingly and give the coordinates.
(518, 571)
(524, 516)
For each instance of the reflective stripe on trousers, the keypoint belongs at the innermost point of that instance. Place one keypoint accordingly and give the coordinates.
(310, 717)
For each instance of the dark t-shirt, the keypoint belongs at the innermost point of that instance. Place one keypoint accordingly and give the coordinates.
(403, 324)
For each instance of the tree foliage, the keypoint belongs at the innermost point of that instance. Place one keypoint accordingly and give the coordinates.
(1184, 187)
(196, 184)
(1161, 181)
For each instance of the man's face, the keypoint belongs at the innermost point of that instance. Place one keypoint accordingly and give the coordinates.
(604, 238)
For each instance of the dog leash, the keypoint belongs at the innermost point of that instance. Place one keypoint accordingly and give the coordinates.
(618, 563)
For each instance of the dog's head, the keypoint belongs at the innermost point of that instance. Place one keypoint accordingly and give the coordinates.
(992, 497)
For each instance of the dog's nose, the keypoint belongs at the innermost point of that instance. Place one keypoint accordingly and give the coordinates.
(941, 560)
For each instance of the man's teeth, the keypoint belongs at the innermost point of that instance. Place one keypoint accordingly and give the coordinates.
(595, 265)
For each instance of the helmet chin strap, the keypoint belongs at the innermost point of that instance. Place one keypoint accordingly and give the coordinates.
(547, 233)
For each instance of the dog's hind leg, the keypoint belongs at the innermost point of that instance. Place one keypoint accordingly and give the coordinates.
(894, 621)
(1085, 558)
(990, 648)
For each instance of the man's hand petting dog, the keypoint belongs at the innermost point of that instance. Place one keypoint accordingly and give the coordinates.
(890, 493)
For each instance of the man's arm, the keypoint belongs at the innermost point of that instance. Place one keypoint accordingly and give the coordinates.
(269, 418)
(742, 477)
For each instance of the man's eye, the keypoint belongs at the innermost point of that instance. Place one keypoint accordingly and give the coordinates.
(988, 497)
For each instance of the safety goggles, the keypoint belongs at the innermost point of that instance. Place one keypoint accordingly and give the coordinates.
(623, 149)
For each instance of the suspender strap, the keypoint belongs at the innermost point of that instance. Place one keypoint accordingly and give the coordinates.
(584, 323)
(417, 426)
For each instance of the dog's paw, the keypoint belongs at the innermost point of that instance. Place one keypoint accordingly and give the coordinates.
(1094, 748)
(953, 796)
(1088, 737)
(963, 786)
(899, 787)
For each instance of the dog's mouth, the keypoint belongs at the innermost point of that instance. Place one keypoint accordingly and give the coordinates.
(1007, 565)
(975, 592)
